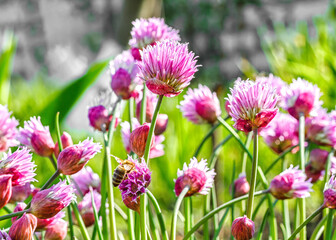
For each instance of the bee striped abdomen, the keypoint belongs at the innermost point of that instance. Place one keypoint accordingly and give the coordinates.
(118, 176)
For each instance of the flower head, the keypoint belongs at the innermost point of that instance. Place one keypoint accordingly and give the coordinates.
(66, 142)
(18, 164)
(291, 183)
(149, 31)
(37, 137)
(5, 189)
(86, 210)
(252, 105)
(23, 228)
(167, 68)
(85, 179)
(302, 97)
(58, 230)
(124, 75)
(281, 133)
(241, 185)
(137, 181)
(8, 129)
(72, 159)
(138, 139)
(196, 176)
(47, 203)
(330, 193)
(200, 105)
(242, 228)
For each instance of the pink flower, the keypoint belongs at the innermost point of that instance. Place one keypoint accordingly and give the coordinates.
(43, 223)
(200, 105)
(137, 181)
(23, 228)
(47, 203)
(157, 147)
(18, 164)
(149, 31)
(161, 124)
(21, 192)
(252, 105)
(318, 159)
(58, 230)
(330, 193)
(242, 228)
(4, 235)
(8, 129)
(86, 210)
(167, 68)
(138, 139)
(85, 179)
(37, 137)
(312, 174)
(66, 142)
(72, 159)
(241, 185)
(302, 97)
(281, 133)
(291, 183)
(5, 189)
(196, 176)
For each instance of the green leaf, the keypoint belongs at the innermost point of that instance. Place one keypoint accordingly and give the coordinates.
(6, 63)
(64, 99)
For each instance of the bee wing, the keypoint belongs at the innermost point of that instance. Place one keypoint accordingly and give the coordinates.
(117, 159)
(128, 167)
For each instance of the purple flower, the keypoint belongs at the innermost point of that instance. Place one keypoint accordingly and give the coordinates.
(242, 228)
(5, 189)
(330, 193)
(197, 176)
(281, 133)
(86, 210)
(18, 164)
(200, 105)
(23, 228)
(47, 203)
(137, 181)
(8, 129)
(21, 192)
(167, 68)
(85, 179)
(241, 185)
(37, 137)
(149, 31)
(58, 230)
(72, 159)
(251, 105)
(302, 97)
(291, 183)
(124, 75)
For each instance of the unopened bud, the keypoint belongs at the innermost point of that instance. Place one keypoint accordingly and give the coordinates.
(5, 189)
(241, 185)
(242, 228)
(23, 228)
(161, 124)
(134, 205)
(42, 143)
(121, 83)
(138, 139)
(57, 230)
(66, 142)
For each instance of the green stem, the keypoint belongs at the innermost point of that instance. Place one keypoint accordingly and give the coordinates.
(100, 234)
(187, 212)
(247, 145)
(159, 215)
(130, 224)
(102, 211)
(176, 209)
(7, 209)
(53, 162)
(71, 229)
(206, 209)
(218, 209)
(233, 194)
(151, 129)
(14, 214)
(329, 224)
(285, 211)
(311, 217)
(207, 136)
(214, 205)
(318, 229)
(254, 174)
(143, 217)
(143, 105)
(221, 222)
(120, 212)
(302, 201)
(152, 227)
(80, 221)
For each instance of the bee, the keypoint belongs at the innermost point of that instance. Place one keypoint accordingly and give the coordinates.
(121, 171)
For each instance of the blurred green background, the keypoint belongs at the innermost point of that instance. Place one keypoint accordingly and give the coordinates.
(57, 61)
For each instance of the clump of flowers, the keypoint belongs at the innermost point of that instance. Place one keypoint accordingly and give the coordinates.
(86, 210)
(197, 176)
(167, 68)
(242, 228)
(200, 105)
(291, 183)
(281, 133)
(84, 180)
(37, 137)
(252, 105)
(8, 129)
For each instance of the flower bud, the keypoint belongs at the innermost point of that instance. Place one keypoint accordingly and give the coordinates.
(5, 189)
(47, 203)
(86, 210)
(330, 193)
(207, 110)
(136, 54)
(132, 204)
(19, 207)
(57, 230)
(161, 124)
(43, 223)
(66, 142)
(98, 117)
(21, 193)
(312, 174)
(241, 185)
(318, 159)
(42, 143)
(121, 83)
(72, 159)
(23, 228)
(242, 228)
(138, 139)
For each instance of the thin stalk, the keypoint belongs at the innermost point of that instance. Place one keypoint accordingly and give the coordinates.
(14, 214)
(233, 194)
(206, 209)
(156, 234)
(130, 224)
(102, 210)
(143, 104)
(318, 229)
(100, 234)
(143, 223)
(6, 209)
(285, 210)
(80, 222)
(302, 201)
(151, 129)
(94, 233)
(221, 222)
(71, 229)
(273, 222)
(311, 217)
(329, 224)
(247, 145)
(214, 205)
(53, 162)
(254, 174)
(187, 213)
(218, 209)
(256, 209)
(198, 150)
(176, 209)
(137, 226)
(262, 225)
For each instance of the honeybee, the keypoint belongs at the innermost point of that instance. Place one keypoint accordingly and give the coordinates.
(121, 171)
